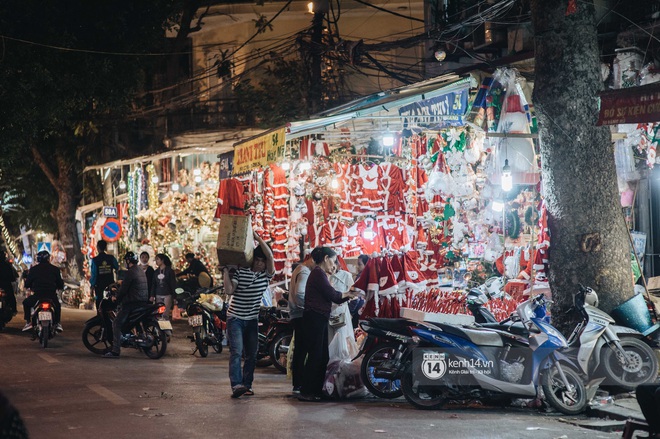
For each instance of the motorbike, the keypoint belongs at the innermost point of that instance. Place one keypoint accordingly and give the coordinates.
(453, 363)
(42, 316)
(600, 348)
(143, 329)
(6, 314)
(275, 334)
(385, 347)
(206, 319)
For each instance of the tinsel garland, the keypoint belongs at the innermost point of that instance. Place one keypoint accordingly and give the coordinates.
(152, 192)
(132, 205)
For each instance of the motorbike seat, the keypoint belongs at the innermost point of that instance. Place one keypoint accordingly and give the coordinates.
(476, 336)
(394, 325)
(515, 328)
(141, 310)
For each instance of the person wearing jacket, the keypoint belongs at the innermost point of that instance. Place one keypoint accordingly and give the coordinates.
(296, 309)
(164, 283)
(319, 297)
(103, 269)
(132, 294)
(44, 279)
(7, 278)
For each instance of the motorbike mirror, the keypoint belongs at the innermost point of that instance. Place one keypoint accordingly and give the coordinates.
(179, 291)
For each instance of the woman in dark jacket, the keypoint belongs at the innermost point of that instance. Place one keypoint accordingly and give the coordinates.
(319, 297)
(164, 283)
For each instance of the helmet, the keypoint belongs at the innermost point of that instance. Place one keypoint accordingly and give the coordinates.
(43, 255)
(476, 296)
(131, 257)
(493, 286)
(591, 298)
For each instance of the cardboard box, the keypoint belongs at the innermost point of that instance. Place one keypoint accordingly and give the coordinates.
(436, 317)
(235, 241)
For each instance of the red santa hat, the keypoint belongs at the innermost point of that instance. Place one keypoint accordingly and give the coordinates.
(412, 276)
(387, 284)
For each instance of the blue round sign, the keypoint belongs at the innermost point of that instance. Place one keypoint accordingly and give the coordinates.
(111, 230)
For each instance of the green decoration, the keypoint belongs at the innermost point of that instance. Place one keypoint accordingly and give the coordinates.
(434, 157)
(513, 224)
(449, 211)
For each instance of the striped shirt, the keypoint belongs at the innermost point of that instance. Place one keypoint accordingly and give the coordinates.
(249, 287)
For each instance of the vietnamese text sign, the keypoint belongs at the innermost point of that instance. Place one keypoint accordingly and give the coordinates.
(630, 105)
(448, 108)
(259, 151)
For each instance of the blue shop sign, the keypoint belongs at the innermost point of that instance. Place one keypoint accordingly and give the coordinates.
(444, 110)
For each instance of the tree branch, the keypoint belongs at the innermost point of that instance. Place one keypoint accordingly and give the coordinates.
(43, 165)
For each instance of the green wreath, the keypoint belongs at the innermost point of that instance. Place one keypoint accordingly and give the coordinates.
(513, 224)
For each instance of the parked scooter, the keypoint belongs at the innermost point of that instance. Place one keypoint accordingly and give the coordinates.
(600, 348)
(275, 334)
(42, 316)
(469, 363)
(205, 318)
(143, 329)
(6, 313)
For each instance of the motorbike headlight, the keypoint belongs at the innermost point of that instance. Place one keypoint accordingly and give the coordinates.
(551, 331)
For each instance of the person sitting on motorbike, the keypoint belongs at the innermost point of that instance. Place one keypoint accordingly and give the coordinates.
(44, 279)
(133, 293)
(198, 269)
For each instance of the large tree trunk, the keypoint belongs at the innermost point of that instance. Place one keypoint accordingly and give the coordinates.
(65, 181)
(589, 242)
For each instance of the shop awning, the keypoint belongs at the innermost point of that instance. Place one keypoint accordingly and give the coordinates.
(380, 102)
(630, 105)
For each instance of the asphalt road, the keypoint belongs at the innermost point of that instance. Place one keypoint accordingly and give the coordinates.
(67, 392)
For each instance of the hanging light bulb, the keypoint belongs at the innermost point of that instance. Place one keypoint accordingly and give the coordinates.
(369, 234)
(507, 178)
(197, 171)
(286, 166)
(310, 7)
(388, 139)
(334, 183)
(198, 178)
(122, 185)
(175, 186)
(155, 179)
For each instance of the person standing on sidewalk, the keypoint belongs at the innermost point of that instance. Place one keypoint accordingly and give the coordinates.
(164, 283)
(296, 309)
(246, 288)
(103, 268)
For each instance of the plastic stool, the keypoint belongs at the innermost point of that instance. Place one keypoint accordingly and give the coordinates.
(632, 426)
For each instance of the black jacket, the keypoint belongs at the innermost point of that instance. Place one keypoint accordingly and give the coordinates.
(44, 279)
(134, 287)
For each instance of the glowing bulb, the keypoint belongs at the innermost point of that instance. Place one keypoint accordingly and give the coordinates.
(197, 171)
(305, 166)
(388, 139)
(155, 179)
(286, 166)
(498, 206)
(198, 178)
(507, 178)
(334, 183)
(368, 234)
(122, 185)
(310, 7)
(175, 186)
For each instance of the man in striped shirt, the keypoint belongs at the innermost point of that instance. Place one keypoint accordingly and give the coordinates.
(246, 288)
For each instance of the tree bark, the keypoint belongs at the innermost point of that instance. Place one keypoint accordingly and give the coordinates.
(589, 243)
(64, 179)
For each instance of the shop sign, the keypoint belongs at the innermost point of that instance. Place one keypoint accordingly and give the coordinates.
(259, 151)
(111, 230)
(630, 105)
(448, 109)
(109, 211)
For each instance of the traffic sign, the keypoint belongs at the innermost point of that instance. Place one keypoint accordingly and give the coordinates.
(111, 230)
(43, 246)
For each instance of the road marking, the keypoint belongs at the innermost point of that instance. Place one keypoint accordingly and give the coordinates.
(48, 358)
(107, 394)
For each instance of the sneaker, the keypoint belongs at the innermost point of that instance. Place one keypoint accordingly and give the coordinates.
(296, 390)
(111, 355)
(59, 328)
(249, 392)
(27, 326)
(238, 391)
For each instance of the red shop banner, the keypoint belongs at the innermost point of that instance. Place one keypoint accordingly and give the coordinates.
(630, 105)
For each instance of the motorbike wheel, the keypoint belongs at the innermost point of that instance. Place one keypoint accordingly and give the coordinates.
(422, 397)
(202, 347)
(217, 346)
(279, 348)
(43, 336)
(570, 401)
(92, 338)
(160, 341)
(642, 364)
(375, 357)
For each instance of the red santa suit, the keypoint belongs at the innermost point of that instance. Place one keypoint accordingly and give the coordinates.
(371, 199)
(371, 236)
(231, 198)
(353, 247)
(393, 189)
(334, 235)
(395, 233)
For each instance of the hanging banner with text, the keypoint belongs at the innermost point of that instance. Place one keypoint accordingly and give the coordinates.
(630, 105)
(259, 151)
(445, 110)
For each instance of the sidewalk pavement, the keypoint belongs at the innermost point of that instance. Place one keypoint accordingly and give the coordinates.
(611, 417)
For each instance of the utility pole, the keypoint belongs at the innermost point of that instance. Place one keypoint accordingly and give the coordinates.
(316, 90)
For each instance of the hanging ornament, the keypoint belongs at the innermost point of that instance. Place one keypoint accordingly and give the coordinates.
(152, 191)
(449, 212)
